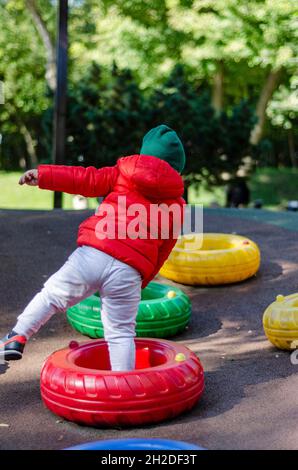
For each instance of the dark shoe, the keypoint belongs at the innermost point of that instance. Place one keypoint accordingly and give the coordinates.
(12, 347)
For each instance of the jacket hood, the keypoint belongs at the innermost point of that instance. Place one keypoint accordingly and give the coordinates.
(151, 176)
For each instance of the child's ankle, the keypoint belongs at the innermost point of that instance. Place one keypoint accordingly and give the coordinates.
(15, 333)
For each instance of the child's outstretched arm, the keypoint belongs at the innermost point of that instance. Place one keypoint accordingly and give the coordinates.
(89, 182)
(30, 178)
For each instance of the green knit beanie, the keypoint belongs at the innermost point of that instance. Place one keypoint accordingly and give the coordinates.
(164, 143)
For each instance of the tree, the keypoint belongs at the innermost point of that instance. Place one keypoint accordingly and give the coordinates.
(283, 112)
(252, 34)
(25, 92)
(108, 115)
(243, 49)
(105, 117)
(47, 39)
(131, 33)
(238, 52)
(215, 143)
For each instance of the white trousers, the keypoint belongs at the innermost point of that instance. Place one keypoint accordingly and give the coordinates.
(87, 271)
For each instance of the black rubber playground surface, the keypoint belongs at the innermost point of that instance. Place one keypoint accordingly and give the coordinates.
(251, 399)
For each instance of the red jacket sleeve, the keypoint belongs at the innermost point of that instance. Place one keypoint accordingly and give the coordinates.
(89, 182)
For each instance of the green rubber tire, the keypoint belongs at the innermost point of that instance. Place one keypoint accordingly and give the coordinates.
(163, 311)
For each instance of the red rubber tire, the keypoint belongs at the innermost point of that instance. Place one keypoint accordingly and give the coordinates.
(101, 397)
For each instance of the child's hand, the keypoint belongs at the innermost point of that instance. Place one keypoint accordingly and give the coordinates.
(30, 178)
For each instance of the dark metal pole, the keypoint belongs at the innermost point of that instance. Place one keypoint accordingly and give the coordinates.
(60, 94)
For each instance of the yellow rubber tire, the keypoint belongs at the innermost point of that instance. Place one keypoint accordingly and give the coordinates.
(212, 259)
(280, 322)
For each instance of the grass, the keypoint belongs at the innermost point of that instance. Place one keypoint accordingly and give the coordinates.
(274, 186)
(14, 196)
(205, 196)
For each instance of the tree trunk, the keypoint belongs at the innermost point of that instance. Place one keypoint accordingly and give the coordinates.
(30, 146)
(47, 41)
(291, 143)
(265, 96)
(217, 91)
(31, 157)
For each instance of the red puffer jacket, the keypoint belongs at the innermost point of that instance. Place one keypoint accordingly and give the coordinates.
(137, 179)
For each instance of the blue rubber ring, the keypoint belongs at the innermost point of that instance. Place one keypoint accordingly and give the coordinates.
(136, 444)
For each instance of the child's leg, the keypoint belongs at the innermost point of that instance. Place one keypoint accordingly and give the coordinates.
(76, 280)
(120, 294)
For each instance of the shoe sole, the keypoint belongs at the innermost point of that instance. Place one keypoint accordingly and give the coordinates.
(12, 355)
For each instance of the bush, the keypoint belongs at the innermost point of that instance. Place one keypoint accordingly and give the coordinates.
(108, 114)
(214, 143)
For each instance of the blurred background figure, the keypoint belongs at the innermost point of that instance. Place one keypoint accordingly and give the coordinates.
(292, 206)
(258, 204)
(238, 194)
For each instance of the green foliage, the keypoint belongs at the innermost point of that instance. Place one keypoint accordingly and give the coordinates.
(215, 143)
(147, 38)
(105, 117)
(22, 65)
(108, 116)
(283, 109)
(275, 186)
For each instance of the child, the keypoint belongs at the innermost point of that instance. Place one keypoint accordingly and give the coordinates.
(116, 263)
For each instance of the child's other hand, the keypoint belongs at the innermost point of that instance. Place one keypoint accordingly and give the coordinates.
(30, 178)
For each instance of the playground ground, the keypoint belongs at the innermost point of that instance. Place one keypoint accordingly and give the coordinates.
(250, 400)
